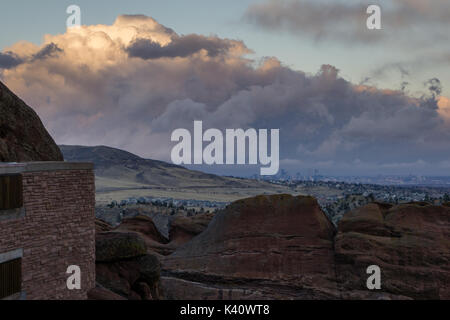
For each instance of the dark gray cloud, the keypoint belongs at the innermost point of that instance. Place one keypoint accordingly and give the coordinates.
(434, 86)
(9, 60)
(315, 19)
(346, 21)
(430, 98)
(50, 50)
(181, 46)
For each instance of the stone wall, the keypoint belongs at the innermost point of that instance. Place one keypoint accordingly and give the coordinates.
(55, 230)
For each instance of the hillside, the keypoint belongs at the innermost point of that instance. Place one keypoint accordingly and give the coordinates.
(121, 174)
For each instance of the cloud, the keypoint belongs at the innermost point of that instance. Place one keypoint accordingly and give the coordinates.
(183, 46)
(49, 50)
(128, 85)
(9, 60)
(345, 22)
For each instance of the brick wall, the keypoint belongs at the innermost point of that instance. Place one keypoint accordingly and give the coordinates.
(58, 229)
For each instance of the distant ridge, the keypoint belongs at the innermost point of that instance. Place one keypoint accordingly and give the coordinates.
(118, 169)
(103, 156)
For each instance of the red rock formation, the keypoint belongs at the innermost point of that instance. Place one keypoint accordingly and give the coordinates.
(282, 247)
(268, 246)
(101, 226)
(23, 137)
(183, 229)
(124, 267)
(410, 243)
(99, 293)
(144, 227)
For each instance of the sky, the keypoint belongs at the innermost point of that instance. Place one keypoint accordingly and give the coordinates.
(347, 100)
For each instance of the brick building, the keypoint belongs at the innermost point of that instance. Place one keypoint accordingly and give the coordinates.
(47, 224)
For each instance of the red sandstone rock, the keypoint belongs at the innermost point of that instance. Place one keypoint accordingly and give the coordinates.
(144, 291)
(109, 276)
(410, 243)
(23, 137)
(101, 226)
(144, 226)
(100, 293)
(272, 246)
(183, 229)
(146, 229)
(281, 247)
(116, 246)
(131, 277)
(124, 267)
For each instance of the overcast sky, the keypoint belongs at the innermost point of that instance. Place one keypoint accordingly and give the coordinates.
(347, 100)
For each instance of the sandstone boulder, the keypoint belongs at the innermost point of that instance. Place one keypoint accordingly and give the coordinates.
(101, 226)
(268, 246)
(149, 268)
(115, 246)
(124, 267)
(183, 229)
(409, 242)
(100, 293)
(146, 228)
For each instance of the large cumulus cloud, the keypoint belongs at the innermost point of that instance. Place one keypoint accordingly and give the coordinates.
(130, 84)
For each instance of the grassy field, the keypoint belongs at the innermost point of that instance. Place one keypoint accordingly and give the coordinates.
(110, 189)
(121, 175)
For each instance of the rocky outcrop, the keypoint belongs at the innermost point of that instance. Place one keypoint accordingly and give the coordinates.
(280, 247)
(146, 229)
(101, 226)
(23, 137)
(268, 246)
(183, 229)
(100, 293)
(284, 247)
(125, 268)
(114, 246)
(410, 243)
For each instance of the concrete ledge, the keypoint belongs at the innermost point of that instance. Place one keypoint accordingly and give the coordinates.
(14, 168)
(18, 296)
(12, 255)
(12, 214)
